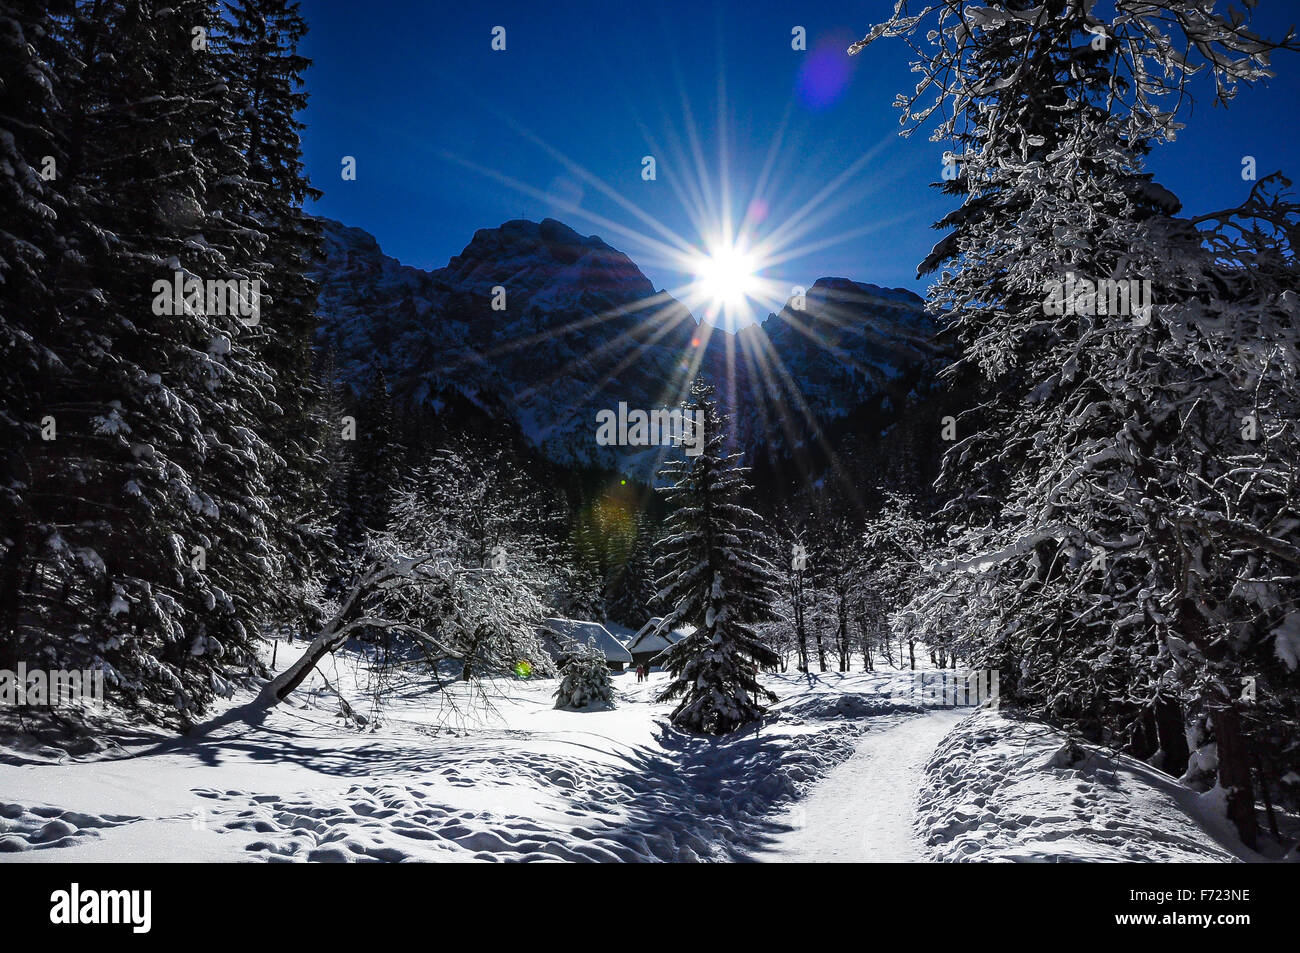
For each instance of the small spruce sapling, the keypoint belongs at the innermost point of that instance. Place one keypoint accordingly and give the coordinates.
(584, 681)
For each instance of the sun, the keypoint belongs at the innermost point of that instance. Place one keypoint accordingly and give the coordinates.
(726, 277)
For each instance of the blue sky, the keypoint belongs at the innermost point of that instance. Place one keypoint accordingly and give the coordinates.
(451, 136)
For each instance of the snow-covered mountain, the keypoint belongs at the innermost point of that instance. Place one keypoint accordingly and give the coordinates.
(582, 329)
(849, 342)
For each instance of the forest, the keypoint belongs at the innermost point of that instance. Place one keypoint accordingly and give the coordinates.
(1093, 489)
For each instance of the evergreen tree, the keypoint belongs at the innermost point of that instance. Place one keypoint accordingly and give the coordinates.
(584, 680)
(32, 154)
(266, 78)
(1099, 591)
(333, 406)
(141, 532)
(713, 580)
(154, 522)
(631, 591)
(373, 473)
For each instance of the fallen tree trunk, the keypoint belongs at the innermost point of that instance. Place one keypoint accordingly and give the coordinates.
(349, 617)
(329, 639)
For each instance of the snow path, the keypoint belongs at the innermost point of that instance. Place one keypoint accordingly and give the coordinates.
(863, 811)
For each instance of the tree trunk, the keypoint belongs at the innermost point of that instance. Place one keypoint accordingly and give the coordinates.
(1268, 801)
(800, 632)
(842, 635)
(326, 641)
(288, 681)
(1171, 737)
(1142, 742)
(1234, 772)
(1225, 721)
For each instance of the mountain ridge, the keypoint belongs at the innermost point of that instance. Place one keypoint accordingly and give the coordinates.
(578, 328)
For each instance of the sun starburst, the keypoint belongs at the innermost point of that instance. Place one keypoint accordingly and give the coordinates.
(736, 261)
(726, 278)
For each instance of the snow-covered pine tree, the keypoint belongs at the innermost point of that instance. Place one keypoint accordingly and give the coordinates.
(145, 551)
(584, 681)
(333, 407)
(1080, 539)
(265, 73)
(713, 579)
(31, 155)
(174, 404)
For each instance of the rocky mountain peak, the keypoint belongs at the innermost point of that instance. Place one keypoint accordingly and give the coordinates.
(584, 330)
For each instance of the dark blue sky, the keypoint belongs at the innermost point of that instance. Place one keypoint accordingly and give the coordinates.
(450, 136)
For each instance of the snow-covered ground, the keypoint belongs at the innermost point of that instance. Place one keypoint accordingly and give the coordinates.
(443, 776)
(1003, 788)
(833, 774)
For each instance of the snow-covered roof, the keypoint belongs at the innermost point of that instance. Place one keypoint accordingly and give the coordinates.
(650, 639)
(623, 633)
(591, 634)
